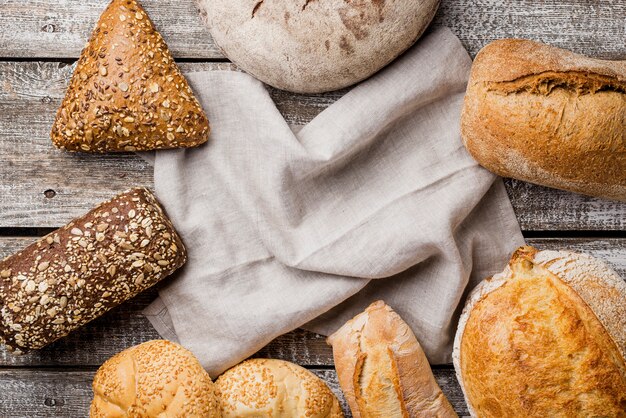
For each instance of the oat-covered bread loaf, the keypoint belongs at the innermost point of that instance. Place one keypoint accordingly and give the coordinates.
(269, 388)
(157, 379)
(548, 116)
(382, 369)
(545, 338)
(311, 46)
(127, 93)
(79, 272)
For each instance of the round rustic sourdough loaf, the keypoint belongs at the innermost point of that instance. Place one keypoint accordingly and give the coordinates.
(270, 388)
(312, 46)
(545, 338)
(154, 379)
(548, 116)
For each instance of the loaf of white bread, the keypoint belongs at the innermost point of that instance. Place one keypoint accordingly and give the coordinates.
(382, 369)
(545, 338)
(151, 380)
(545, 115)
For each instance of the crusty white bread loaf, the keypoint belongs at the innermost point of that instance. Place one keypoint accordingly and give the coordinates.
(548, 116)
(311, 46)
(382, 369)
(267, 388)
(127, 93)
(156, 379)
(545, 338)
(80, 271)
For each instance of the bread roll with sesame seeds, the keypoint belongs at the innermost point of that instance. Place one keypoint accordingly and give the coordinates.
(127, 93)
(157, 379)
(260, 388)
(79, 272)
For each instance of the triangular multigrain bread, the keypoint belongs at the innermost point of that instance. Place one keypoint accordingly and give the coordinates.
(127, 93)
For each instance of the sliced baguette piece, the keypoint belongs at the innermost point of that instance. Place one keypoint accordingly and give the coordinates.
(548, 116)
(382, 369)
(546, 337)
(127, 93)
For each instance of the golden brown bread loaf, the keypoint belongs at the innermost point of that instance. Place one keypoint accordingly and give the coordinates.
(270, 388)
(545, 338)
(127, 93)
(79, 272)
(157, 379)
(548, 116)
(382, 369)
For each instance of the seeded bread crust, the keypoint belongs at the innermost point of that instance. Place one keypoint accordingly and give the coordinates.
(383, 370)
(127, 93)
(562, 355)
(548, 116)
(86, 268)
(154, 379)
(268, 388)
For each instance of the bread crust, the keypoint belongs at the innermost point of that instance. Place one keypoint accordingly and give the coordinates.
(548, 116)
(274, 389)
(382, 369)
(127, 93)
(585, 353)
(148, 379)
(308, 46)
(77, 273)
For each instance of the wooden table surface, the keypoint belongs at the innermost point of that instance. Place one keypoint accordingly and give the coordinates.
(42, 188)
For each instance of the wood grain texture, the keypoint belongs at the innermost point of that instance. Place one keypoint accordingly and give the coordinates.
(30, 93)
(59, 393)
(126, 326)
(60, 28)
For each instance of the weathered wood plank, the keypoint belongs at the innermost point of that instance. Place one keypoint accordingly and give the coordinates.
(30, 93)
(60, 28)
(125, 326)
(57, 393)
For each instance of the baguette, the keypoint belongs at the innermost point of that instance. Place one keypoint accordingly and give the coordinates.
(545, 338)
(382, 369)
(548, 116)
(127, 93)
(79, 272)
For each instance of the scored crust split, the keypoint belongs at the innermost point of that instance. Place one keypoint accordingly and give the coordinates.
(546, 337)
(548, 116)
(383, 370)
(127, 93)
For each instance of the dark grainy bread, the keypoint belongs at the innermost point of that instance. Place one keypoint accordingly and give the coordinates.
(127, 93)
(86, 268)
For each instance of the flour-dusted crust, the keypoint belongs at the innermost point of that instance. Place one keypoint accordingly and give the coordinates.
(574, 333)
(310, 46)
(127, 93)
(80, 271)
(151, 378)
(548, 116)
(268, 388)
(383, 370)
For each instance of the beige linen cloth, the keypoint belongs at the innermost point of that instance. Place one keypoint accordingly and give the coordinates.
(376, 198)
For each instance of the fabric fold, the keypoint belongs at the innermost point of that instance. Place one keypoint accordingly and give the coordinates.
(375, 198)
